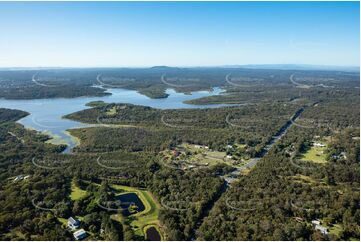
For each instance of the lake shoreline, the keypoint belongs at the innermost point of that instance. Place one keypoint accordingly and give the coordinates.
(48, 115)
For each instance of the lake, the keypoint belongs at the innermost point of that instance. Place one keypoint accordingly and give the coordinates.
(46, 114)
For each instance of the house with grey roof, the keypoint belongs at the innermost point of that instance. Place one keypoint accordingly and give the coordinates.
(73, 223)
(79, 234)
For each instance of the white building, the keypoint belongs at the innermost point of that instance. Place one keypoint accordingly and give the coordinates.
(79, 234)
(316, 222)
(73, 223)
(318, 144)
(18, 178)
(322, 229)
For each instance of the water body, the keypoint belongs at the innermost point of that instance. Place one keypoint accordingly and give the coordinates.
(152, 234)
(129, 199)
(46, 114)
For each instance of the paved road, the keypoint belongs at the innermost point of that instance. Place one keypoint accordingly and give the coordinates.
(228, 180)
(298, 84)
(280, 133)
(307, 86)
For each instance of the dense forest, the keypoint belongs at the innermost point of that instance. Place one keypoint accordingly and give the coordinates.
(280, 198)
(242, 85)
(277, 200)
(136, 128)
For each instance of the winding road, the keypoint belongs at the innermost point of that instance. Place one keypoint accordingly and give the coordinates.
(299, 85)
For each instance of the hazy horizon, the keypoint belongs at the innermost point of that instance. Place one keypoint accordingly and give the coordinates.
(245, 66)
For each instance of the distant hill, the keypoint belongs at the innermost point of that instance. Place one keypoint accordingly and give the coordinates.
(171, 68)
(297, 67)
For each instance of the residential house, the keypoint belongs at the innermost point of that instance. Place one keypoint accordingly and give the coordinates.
(73, 223)
(316, 144)
(79, 234)
(322, 229)
(18, 178)
(316, 222)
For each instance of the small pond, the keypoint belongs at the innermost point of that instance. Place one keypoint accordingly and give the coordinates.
(152, 234)
(131, 203)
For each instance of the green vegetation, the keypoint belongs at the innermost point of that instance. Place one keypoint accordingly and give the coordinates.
(147, 217)
(112, 111)
(76, 192)
(275, 200)
(143, 128)
(190, 155)
(315, 154)
(95, 104)
(8, 115)
(51, 84)
(335, 229)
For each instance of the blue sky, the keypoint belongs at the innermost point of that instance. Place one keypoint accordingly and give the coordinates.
(79, 34)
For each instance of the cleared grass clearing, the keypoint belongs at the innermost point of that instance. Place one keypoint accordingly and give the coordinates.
(335, 229)
(63, 221)
(303, 179)
(208, 157)
(112, 111)
(307, 180)
(314, 154)
(76, 192)
(199, 155)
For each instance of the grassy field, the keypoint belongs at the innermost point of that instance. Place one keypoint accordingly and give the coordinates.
(63, 221)
(314, 154)
(112, 111)
(336, 229)
(241, 146)
(308, 180)
(208, 157)
(191, 156)
(201, 155)
(147, 217)
(303, 179)
(76, 192)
